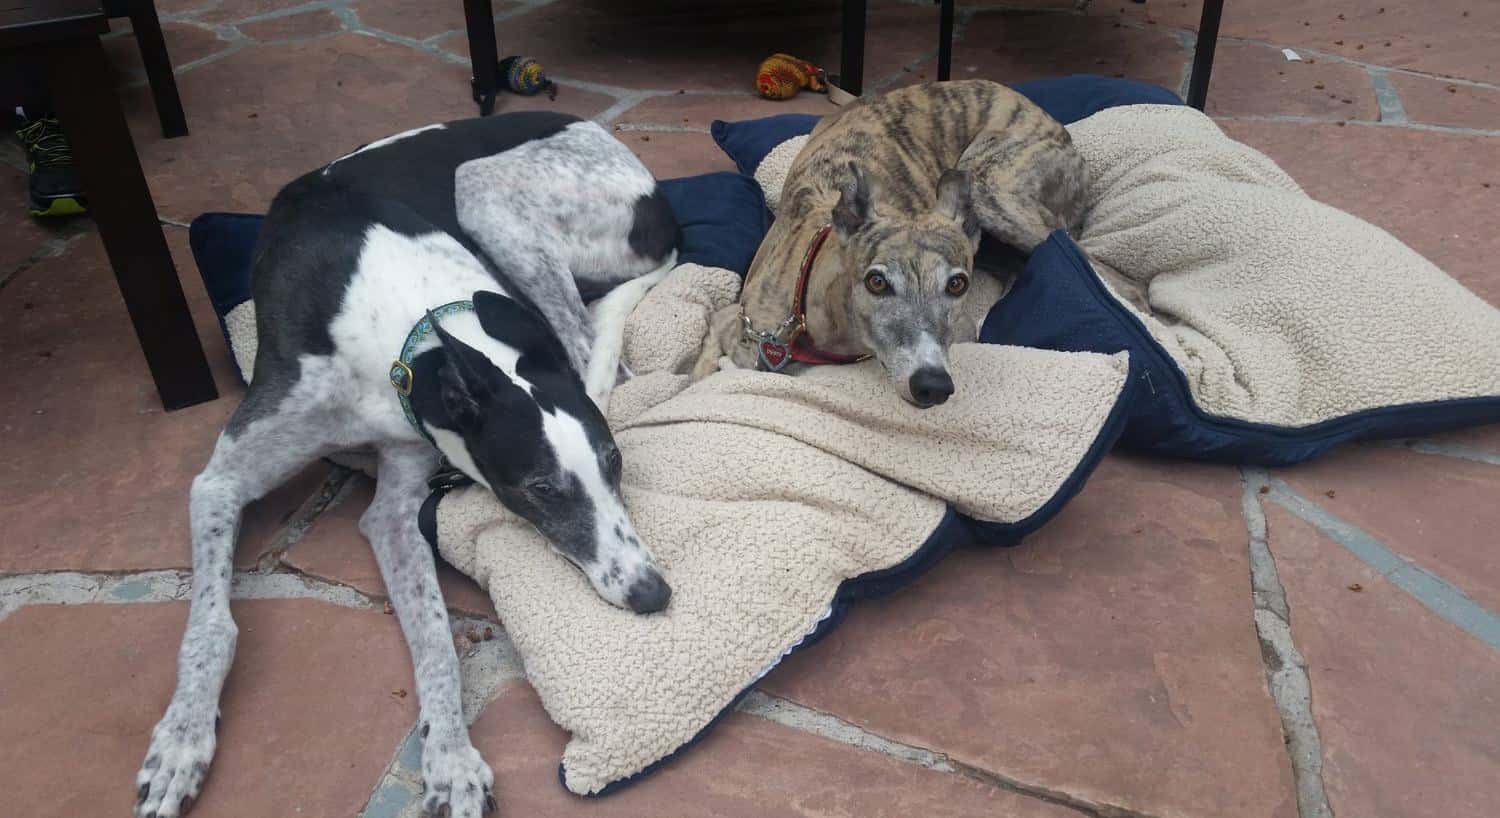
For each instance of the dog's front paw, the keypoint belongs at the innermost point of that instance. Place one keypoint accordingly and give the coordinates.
(176, 763)
(456, 782)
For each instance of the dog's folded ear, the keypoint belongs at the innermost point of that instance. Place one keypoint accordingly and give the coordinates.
(954, 202)
(520, 327)
(461, 379)
(853, 209)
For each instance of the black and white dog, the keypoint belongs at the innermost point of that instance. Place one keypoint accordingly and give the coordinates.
(421, 296)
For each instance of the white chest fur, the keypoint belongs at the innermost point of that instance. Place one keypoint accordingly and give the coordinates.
(397, 279)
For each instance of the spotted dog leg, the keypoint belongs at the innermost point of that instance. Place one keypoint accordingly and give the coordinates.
(456, 780)
(257, 452)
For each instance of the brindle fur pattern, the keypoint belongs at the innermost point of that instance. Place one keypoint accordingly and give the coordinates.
(908, 179)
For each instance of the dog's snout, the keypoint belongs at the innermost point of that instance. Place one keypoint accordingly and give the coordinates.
(649, 594)
(931, 386)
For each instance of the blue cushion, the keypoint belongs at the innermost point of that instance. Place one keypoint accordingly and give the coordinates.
(1067, 99)
(1059, 302)
(723, 218)
(223, 245)
(748, 142)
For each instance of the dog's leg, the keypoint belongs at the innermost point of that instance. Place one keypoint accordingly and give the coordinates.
(546, 280)
(251, 457)
(1022, 205)
(457, 782)
(608, 315)
(555, 295)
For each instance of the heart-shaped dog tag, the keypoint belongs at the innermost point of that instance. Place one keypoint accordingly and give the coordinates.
(773, 356)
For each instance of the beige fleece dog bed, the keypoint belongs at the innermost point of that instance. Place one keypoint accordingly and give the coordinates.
(764, 497)
(771, 503)
(1278, 309)
(1267, 326)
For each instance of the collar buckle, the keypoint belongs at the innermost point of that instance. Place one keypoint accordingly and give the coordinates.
(402, 378)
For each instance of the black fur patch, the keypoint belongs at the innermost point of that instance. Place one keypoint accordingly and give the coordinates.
(655, 232)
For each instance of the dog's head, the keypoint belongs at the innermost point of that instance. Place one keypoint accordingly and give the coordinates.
(509, 411)
(909, 273)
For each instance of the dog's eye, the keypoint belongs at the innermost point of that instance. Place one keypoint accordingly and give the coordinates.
(876, 283)
(958, 284)
(543, 489)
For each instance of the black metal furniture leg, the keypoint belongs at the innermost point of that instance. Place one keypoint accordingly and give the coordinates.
(121, 205)
(945, 41)
(158, 68)
(852, 69)
(479, 19)
(1203, 53)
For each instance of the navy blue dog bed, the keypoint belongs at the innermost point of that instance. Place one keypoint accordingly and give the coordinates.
(1059, 303)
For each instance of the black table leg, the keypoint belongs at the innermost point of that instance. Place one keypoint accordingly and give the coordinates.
(121, 205)
(945, 41)
(852, 69)
(158, 68)
(1203, 53)
(484, 57)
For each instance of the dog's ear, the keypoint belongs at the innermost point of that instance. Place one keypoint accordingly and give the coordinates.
(510, 322)
(461, 381)
(954, 202)
(853, 209)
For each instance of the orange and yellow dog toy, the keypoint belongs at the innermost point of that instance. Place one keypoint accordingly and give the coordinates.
(781, 76)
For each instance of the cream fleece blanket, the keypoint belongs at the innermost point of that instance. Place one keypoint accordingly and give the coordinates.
(1278, 308)
(760, 494)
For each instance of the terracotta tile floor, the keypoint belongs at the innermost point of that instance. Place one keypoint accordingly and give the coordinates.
(1117, 664)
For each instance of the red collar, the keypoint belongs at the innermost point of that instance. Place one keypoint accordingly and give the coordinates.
(772, 352)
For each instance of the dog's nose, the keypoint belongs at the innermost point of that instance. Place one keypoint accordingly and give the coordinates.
(931, 386)
(649, 594)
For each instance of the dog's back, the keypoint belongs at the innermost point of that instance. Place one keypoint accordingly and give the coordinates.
(310, 242)
(906, 139)
(435, 214)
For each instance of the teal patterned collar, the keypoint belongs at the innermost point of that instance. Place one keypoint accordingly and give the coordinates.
(401, 375)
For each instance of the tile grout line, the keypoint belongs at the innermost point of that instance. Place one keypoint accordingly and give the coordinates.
(1432, 591)
(51, 247)
(1189, 44)
(1313, 120)
(826, 725)
(1391, 109)
(1326, 56)
(486, 668)
(292, 11)
(618, 108)
(658, 127)
(1436, 448)
(331, 491)
(20, 590)
(400, 783)
(1286, 670)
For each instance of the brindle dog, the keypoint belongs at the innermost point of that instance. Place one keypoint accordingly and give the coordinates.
(906, 182)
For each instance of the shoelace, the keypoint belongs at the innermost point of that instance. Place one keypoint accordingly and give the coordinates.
(46, 143)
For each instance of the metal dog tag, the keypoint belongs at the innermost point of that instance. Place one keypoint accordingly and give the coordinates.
(773, 356)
